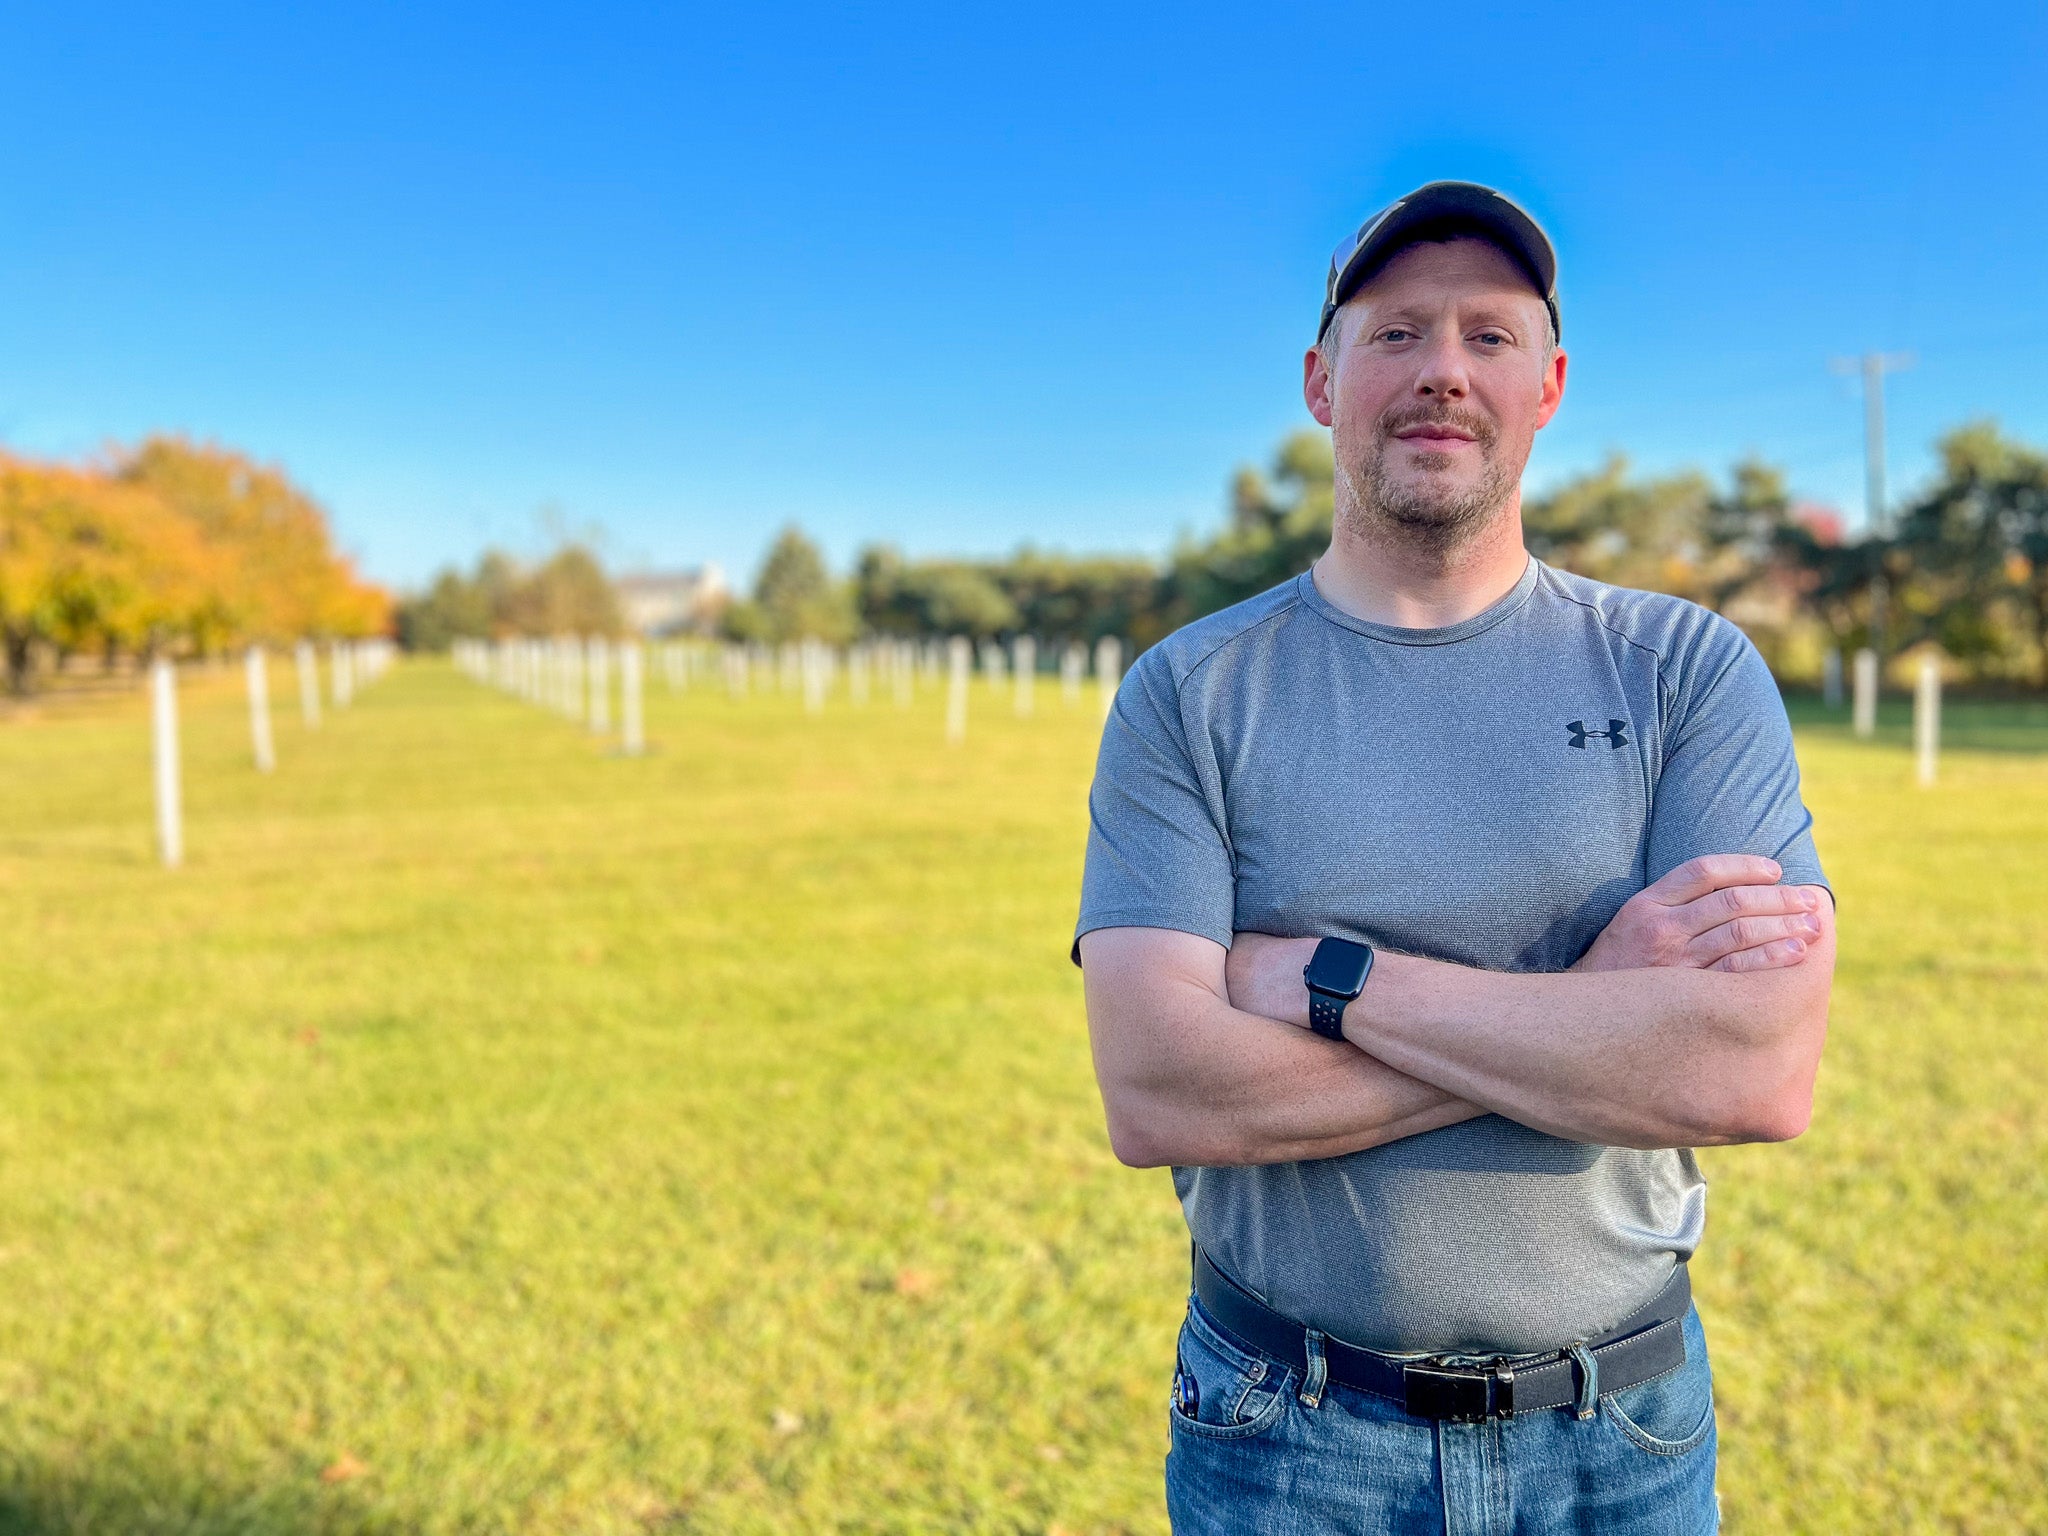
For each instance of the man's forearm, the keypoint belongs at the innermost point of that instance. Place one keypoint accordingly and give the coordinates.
(1188, 1079)
(1657, 1057)
(1241, 1089)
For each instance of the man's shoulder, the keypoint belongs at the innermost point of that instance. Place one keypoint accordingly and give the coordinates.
(1677, 631)
(1188, 649)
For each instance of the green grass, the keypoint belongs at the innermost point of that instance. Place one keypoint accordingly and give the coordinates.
(707, 1142)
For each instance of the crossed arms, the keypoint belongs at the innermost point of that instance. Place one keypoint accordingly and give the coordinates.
(1695, 1019)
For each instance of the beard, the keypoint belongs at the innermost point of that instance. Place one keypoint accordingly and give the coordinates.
(1426, 510)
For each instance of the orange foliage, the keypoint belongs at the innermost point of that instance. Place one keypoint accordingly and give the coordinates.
(169, 546)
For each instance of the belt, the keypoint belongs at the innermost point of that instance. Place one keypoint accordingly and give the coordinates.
(1648, 1343)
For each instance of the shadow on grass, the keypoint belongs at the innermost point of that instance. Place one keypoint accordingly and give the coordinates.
(125, 1499)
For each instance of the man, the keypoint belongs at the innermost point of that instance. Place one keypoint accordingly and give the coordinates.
(1437, 903)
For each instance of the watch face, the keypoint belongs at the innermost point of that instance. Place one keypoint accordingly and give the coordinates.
(1339, 966)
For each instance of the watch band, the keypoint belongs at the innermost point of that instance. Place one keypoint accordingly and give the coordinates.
(1326, 1014)
(1335, 975)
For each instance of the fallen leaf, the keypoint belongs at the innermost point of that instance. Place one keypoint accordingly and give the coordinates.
(916, 1283)
(343, 1468)
(1051, 1453)
(787, 1423)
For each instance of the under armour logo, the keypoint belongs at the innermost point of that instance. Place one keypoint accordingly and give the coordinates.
(1616, 734)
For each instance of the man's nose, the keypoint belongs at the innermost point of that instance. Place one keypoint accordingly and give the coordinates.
(1443, 372)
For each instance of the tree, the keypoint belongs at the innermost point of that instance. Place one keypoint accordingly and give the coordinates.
(795, 597)
(453, 608)
(276, 573)
(943, 597)
(567, 593)
(1970, 558)
(88, 562)
(1278, 526)
(1083, 598)
(1834, 578)
(1632, 532)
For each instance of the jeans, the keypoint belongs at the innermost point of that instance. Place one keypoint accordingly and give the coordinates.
(1257, 1449)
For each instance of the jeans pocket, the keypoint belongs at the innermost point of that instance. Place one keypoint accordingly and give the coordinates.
(1671, 1414)
(1221, 1392)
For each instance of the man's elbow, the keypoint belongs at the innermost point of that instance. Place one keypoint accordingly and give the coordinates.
(1132, 1138)
(1136, 1146)
(1766, 1096)
(1728, 1114)
(1146, 1134)
(1780, 1116)
(1754, 1082)
(1144, 1141)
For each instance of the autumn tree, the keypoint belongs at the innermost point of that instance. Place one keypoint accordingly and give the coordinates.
(166, 546)
(89, 563)
(279, 575)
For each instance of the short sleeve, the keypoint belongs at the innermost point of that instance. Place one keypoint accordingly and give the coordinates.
(1158, 856)
(1729, 782)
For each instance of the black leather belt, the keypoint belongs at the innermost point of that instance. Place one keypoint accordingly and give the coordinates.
(1646, 1344)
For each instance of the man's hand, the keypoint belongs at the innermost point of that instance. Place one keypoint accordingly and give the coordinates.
(1721, 912)
(1643, 1047)
(1189, 1075)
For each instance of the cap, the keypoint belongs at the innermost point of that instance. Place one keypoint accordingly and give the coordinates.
(1435, 212)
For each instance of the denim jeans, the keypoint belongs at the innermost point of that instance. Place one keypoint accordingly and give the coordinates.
(1257, 1449)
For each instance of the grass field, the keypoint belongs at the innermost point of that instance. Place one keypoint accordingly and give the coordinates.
(487, 1133)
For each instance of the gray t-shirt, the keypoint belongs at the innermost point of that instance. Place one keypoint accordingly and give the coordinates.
(1487, 793)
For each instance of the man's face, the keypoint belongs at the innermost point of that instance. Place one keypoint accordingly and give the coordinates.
(1440, 380)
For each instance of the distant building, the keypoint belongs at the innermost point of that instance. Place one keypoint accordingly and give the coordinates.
(669, 603)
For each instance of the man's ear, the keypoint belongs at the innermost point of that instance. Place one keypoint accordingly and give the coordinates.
(1315, 385)
(1553, 388)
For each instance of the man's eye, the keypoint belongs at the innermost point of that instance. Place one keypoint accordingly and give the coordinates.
(1397, 334)
(1492, 338)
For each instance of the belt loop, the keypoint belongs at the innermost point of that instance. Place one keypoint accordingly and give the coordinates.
(1589, 1381)
(1318, 1372)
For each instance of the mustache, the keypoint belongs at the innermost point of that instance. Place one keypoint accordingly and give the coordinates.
(1402, 417)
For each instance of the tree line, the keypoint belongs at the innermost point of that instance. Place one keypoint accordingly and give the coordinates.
(166, 547)
(567, 593)
(1964, 565)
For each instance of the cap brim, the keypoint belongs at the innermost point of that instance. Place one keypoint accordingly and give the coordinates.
(1447, 207)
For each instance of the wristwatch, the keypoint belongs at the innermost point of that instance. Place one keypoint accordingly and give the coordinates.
(1335, 975)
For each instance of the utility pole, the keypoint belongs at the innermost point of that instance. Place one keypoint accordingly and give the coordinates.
(1873, 366)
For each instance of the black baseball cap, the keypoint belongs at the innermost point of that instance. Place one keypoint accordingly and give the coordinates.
(1441, 210)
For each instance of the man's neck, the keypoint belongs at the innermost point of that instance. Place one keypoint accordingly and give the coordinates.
(1384, 578)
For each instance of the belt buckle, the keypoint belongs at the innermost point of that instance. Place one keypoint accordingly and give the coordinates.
(1460, 1394)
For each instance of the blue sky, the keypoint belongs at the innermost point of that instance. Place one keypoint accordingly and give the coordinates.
(960, 277)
